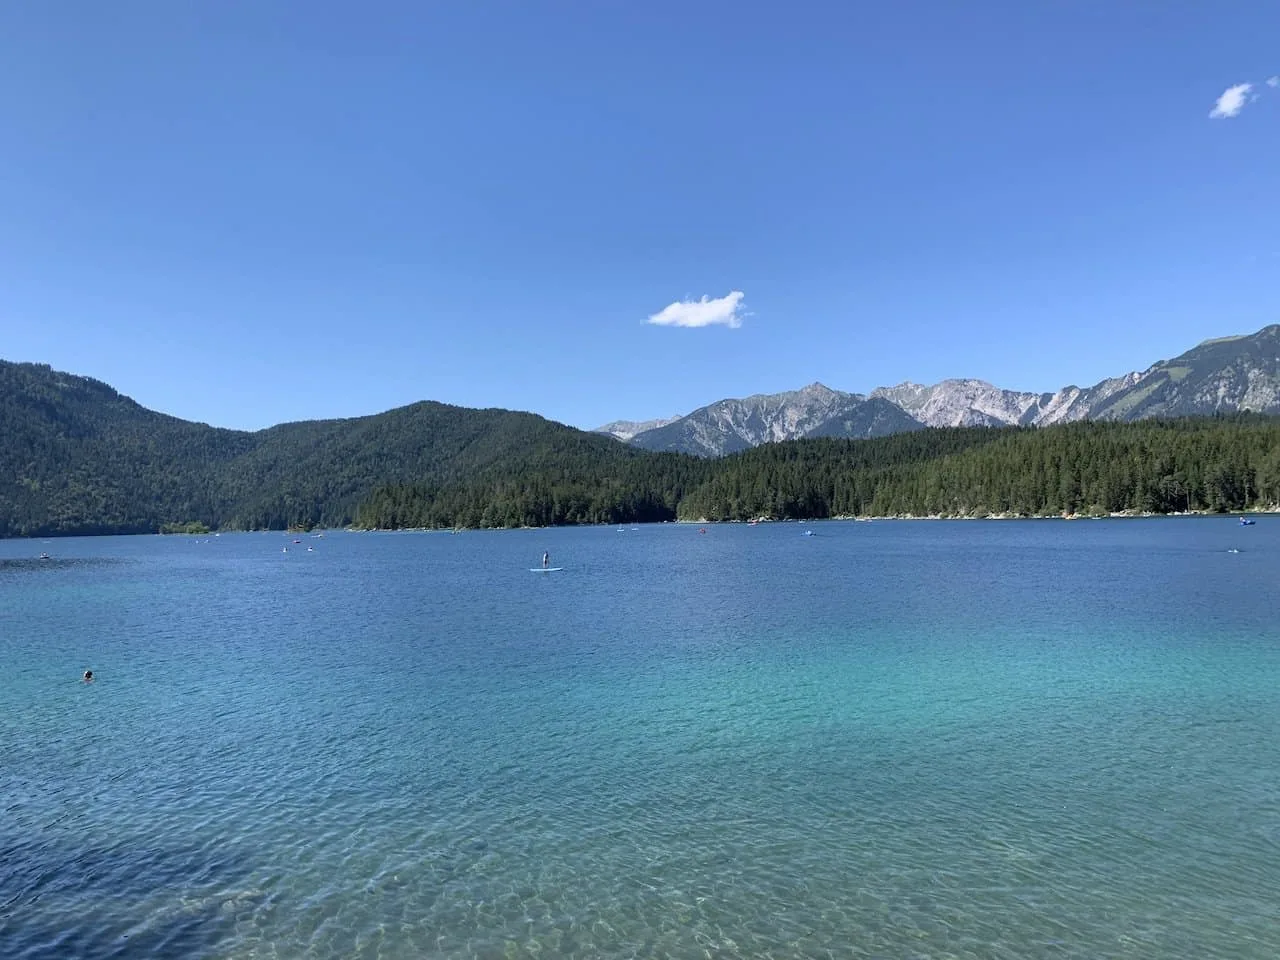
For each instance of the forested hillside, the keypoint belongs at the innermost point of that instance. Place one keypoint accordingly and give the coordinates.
(78, 457)
(318, 472)
(1214, 464)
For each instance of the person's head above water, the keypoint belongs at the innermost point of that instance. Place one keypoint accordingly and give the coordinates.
(88, 675)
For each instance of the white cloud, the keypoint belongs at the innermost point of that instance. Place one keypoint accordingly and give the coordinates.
(726, 310)
(1273, 81)
(1231, 102)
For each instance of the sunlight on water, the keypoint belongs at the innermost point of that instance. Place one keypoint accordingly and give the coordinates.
(959, 740)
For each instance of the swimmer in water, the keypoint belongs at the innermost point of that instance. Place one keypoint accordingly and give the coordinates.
(88, 676)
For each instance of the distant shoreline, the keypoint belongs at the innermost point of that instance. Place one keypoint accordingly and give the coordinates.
(862, 518)
(1121, 515)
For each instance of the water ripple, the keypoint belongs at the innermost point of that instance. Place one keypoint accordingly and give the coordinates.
(403, 747)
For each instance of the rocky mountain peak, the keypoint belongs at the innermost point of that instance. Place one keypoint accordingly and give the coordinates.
(626, 429)
(818, 390)
(1223, 374)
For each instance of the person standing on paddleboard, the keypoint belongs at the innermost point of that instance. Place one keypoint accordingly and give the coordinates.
(546, 559)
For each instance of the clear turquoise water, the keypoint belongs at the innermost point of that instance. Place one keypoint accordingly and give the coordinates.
(978, 740)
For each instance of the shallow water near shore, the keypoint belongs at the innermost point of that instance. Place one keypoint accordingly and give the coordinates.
(952, 739)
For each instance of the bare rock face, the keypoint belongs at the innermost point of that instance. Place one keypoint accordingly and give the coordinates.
(728, 426)
(1075, 403)
(1224, 375)
(626, 429)
(976, 403)
(963, 403)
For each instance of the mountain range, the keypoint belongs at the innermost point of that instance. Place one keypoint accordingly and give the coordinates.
(76, 456)
(1240, 373)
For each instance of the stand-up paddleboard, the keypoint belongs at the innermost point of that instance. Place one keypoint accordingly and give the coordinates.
(545, 569)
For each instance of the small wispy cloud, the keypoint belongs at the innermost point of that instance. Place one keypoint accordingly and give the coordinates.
(1231, 102)
(726, 311)
(1273, 81)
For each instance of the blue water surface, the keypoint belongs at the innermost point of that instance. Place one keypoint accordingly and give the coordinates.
(1006, 739)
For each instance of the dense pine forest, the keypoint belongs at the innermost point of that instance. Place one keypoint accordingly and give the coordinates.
(76, 457)
(1203, 464)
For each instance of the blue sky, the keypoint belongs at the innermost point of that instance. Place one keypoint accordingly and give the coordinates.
(250, 212)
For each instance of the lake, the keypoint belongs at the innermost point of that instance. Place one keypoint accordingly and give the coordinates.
(1005, 739)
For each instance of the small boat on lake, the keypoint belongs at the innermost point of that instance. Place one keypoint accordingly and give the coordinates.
(1246, 522)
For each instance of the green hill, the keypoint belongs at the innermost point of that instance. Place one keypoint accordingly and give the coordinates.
(78, 457)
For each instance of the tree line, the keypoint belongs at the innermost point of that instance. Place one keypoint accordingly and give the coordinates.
(1217, 464)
